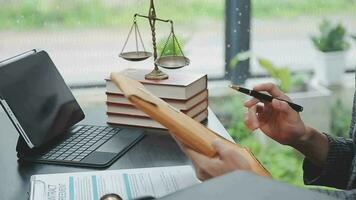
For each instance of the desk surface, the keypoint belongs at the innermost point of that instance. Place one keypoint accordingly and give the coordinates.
(156, 149)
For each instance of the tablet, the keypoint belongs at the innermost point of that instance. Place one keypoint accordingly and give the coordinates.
(36, 98)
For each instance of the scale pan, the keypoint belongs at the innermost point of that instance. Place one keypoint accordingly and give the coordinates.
(135, 55)
(172, 62)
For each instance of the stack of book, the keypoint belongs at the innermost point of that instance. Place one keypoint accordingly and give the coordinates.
(186, 92)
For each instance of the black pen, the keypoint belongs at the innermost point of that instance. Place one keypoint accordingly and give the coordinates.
(265, 97)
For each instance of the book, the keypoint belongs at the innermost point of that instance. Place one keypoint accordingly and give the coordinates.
(118, 119)
(180, 86)
(127, 183)
(179, 104)
(182, 127)
(133, 111)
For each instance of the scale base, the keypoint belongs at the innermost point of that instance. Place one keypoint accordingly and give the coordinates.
(156, 74)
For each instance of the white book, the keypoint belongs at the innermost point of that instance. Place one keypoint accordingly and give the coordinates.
(128, 184)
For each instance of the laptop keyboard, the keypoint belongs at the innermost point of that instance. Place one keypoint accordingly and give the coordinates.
(83, 141)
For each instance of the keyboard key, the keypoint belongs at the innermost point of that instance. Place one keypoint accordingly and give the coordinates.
(77, 159)
(55, 155)
(65, 154)
(61, 157)
(80, 157)
(52, 157)
(69, 158)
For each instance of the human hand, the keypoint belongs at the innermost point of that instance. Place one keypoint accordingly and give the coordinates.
(226, 160)
(276, 119)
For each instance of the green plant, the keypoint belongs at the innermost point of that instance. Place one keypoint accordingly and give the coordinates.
(282, 74)
(287, 82)
(332, 37)
(340, 119)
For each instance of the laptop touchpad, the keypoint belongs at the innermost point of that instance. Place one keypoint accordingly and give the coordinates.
(120, 141)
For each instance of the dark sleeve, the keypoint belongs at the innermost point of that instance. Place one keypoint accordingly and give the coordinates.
(336, 171)
(338, 194)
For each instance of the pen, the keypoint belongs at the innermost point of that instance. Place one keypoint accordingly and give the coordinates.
(265, 97)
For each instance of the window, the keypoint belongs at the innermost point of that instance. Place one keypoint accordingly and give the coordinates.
(84, 37)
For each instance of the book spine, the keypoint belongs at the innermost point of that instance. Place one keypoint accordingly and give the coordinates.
(162, 91)
(150, 123)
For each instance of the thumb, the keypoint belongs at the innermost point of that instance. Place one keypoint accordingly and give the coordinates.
(281, 106)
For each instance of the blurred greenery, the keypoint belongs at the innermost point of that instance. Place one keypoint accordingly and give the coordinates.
(41, 13)
(287, 81)
(25, 14)
(293, 8)
(340, 119)
(281, 73)
(170, 46)
(283, 162)
(332, 37)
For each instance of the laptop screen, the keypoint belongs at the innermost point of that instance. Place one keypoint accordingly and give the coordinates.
(36, 98)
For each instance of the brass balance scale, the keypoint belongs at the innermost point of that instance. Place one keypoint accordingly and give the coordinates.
(174, 61)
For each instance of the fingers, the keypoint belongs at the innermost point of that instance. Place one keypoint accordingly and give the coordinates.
(220, 147)
(251, 118)
(260, 109)
(202, 175)
(225, 152)
(251, 102)
(270, 88)
(198, 159)
(281, 106)
(205, 167)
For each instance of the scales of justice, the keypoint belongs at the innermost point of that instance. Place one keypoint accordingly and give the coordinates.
(174, 61)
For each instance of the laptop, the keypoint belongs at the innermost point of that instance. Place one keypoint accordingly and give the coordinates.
(46, 115)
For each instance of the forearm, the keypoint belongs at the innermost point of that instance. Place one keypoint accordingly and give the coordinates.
(328, 159)
(314, 145)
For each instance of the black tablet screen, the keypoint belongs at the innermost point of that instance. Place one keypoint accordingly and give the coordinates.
(38, 97)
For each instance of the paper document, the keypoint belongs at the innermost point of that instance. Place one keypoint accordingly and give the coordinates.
(129, 184)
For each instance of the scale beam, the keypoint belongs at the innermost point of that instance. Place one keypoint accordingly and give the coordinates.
(158, 19)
